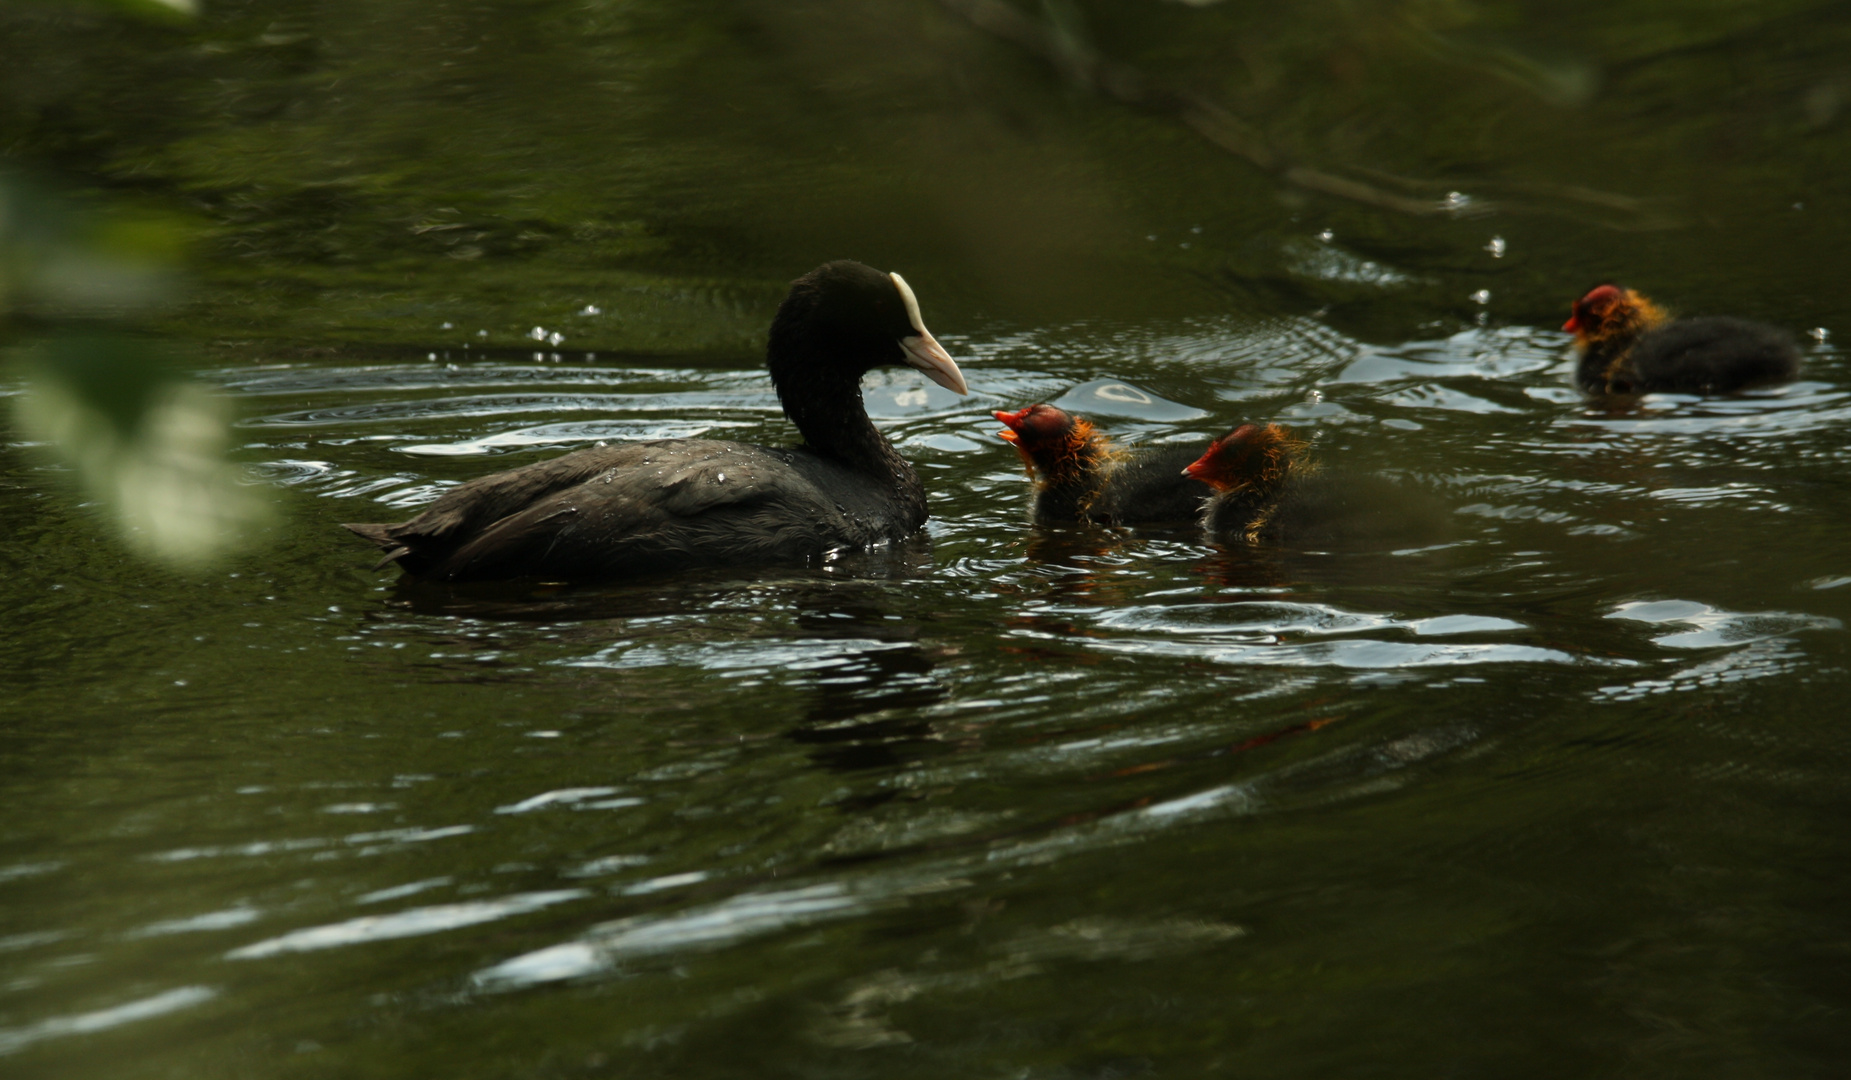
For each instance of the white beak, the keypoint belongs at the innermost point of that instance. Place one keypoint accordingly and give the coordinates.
(923, 350)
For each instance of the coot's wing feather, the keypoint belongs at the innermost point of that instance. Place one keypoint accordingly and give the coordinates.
(480, 503)
(658, 506)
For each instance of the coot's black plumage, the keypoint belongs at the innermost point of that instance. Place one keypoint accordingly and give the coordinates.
(672, 504)
(1629, 345)
(1081, 477)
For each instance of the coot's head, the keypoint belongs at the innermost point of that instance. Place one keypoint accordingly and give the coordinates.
(1051, 441)
(842, 320)
(1250, 455)
(1608, 310)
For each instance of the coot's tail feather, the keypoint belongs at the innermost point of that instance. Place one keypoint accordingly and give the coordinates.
(381, 535)
(378, 534)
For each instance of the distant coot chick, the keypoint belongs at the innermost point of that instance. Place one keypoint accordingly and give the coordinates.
(1629, 345)
(1267, 489)
(1081, 477)
(673, 504)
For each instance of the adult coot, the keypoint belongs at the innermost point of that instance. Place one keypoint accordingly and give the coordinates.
(1267, 489)
(671, 504)
(1082, 477)
(1629, 345)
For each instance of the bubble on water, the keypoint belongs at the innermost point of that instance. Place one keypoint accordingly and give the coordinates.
(449, 326)
(1455, 201)
(555, 338)
(1821, 335)
(481, 333)
(1482, 296)
(592, 309)
(538, 333)
(1496, 247)
(1327, 236)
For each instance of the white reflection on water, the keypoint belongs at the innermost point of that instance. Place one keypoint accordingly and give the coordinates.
(1359, 653)
(23, 870)
(1783, 412)
(1761, 660)
(605, 946)
(211, 920)
(1759, 644)
(587, 431)
(410, 923)
(290, 381)
(409, 835)
(1118, 398)
(1712, 627)
(1494, 354)
(572, 797)
(1262, 632)
(14, 1039)
(741, 657)
(399, 892)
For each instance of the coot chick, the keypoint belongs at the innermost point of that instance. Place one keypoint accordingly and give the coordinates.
(1081, 477)
(1629, 345)
(1267, 489)
(673, 504)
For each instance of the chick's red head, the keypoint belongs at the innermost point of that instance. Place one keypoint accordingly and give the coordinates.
(1035, 426)
(1250, 454)
(1050, 440)
(1592, 311)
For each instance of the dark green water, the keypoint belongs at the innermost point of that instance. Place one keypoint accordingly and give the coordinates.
(1564, 796)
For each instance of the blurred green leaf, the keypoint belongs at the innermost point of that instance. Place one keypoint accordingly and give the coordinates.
(147, 444)
(145, 441)
(163, 11)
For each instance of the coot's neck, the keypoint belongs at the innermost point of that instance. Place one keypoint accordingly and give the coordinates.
(834, 422)
(825, 404)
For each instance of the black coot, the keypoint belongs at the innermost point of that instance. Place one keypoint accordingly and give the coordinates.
(1082, 477)
(1629, 345)
(672, 504)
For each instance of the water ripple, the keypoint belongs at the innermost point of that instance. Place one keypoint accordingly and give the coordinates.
(412, 922)
(13, 1040)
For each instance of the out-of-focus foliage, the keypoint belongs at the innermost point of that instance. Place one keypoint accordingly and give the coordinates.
(146, 442)
(158, 11)
(59, 264)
